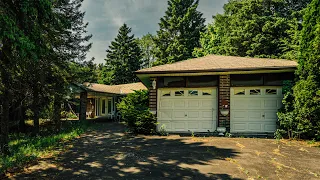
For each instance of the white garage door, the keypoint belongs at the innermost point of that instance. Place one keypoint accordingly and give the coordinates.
(254, 109)
(183, 110)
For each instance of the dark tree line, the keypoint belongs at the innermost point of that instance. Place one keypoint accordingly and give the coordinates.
(39, 39)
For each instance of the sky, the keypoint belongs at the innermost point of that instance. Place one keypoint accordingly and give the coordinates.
(106, 16)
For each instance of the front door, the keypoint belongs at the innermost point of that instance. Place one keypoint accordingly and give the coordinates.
(104, 107)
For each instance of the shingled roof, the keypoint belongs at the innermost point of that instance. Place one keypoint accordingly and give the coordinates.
(115, 89)
(216, 63)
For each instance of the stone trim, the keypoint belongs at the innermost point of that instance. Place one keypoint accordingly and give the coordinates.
(152, 96)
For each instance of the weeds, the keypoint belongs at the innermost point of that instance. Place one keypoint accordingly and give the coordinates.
(25, 148)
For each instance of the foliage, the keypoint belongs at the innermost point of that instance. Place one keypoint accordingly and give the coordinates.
(300, 116)
(307, 89)
(179, 31)
(123, 58)
(24, 148)
(147, 47)
(39, 39)
(135, 111)
(256, 28)
(86, 71)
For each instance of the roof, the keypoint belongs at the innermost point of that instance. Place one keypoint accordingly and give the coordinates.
(115, 89)
(217, 63)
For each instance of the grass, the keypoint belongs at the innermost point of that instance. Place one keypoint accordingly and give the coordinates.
(25, 148)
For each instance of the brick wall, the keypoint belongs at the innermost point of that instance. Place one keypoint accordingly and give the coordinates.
(152, 96)
(224, 98)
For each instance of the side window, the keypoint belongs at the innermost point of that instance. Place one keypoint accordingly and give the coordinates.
(255, 92)
(239, 92)
(166, 93)
(192, 93)
(206, 92)
(271, 91)
(179, 93)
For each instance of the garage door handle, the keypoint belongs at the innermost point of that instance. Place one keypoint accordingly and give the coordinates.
(263, 115)
(185, 115)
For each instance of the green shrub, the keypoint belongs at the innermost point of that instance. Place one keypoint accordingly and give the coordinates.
(135, 111)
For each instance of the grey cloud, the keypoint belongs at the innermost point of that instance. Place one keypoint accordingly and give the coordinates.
(106, 16)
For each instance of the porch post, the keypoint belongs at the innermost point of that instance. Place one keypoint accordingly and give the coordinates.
(83, 106)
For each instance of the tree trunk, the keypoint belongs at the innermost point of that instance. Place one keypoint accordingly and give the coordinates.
(35, 110)
(4, 148)
(57, 112)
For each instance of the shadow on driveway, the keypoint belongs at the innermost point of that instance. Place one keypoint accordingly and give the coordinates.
(107, 153)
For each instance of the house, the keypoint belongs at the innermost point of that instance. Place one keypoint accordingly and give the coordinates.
(99, 100)
(198, 95)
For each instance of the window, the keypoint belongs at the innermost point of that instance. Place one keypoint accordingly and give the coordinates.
(276, 79)
(103, 106)
(172, 82)
(109, 105)
(202, 81)
(247, 80)
(179, 93)
(271, 91)
(192, 93)
(239, 92)
(206, 92)
(166, 93)
(255, 92)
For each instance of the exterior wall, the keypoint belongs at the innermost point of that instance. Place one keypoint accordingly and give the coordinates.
(224, 99)
(152, 96)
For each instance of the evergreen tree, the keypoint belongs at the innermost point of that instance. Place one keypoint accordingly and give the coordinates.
(307, 89)
(256, 28)
(123, 58)
(179, 31)
(147, 47)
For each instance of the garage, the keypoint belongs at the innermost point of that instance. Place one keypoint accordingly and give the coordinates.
(254, 109)
(187, 109)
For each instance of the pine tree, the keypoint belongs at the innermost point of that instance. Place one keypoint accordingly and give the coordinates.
(147, 47)
(179, 31)
(307, 89)
(123, 58)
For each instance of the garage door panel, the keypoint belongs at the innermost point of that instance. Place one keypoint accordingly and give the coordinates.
(271, 104)
(270, 115)
(208, 125)
(255, 127)
(178, 114)
(193, 114)
(208, 114)
(240, 103)
(240, 127)
(193, 104)
(255, 115)
(165, 114)
(239, 114)
(254, 104)
(179, 104)
(193, 125)
(178, 125)
(270, 127)
(207, 104)
(166, 104)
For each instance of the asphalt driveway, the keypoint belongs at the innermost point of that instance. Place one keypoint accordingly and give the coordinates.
(108, 153)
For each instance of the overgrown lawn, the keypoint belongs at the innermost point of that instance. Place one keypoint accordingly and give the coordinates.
(25, 148)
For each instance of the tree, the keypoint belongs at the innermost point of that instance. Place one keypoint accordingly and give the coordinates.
(179, 31)
(307, 89)
(147, 47)
(86, 71)
(123, 58)
(256, 28)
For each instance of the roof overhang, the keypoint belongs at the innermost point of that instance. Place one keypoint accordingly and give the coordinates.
(145, 76)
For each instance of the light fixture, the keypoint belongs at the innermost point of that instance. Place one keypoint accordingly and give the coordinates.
(154, 84)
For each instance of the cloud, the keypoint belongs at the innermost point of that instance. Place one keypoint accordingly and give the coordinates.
(106, 16)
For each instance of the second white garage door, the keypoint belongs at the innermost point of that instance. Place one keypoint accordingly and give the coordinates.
(187, 110)
(254, 109)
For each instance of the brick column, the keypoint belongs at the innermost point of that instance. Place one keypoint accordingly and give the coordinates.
(152, 96)
(224, 99)
(83, 106)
